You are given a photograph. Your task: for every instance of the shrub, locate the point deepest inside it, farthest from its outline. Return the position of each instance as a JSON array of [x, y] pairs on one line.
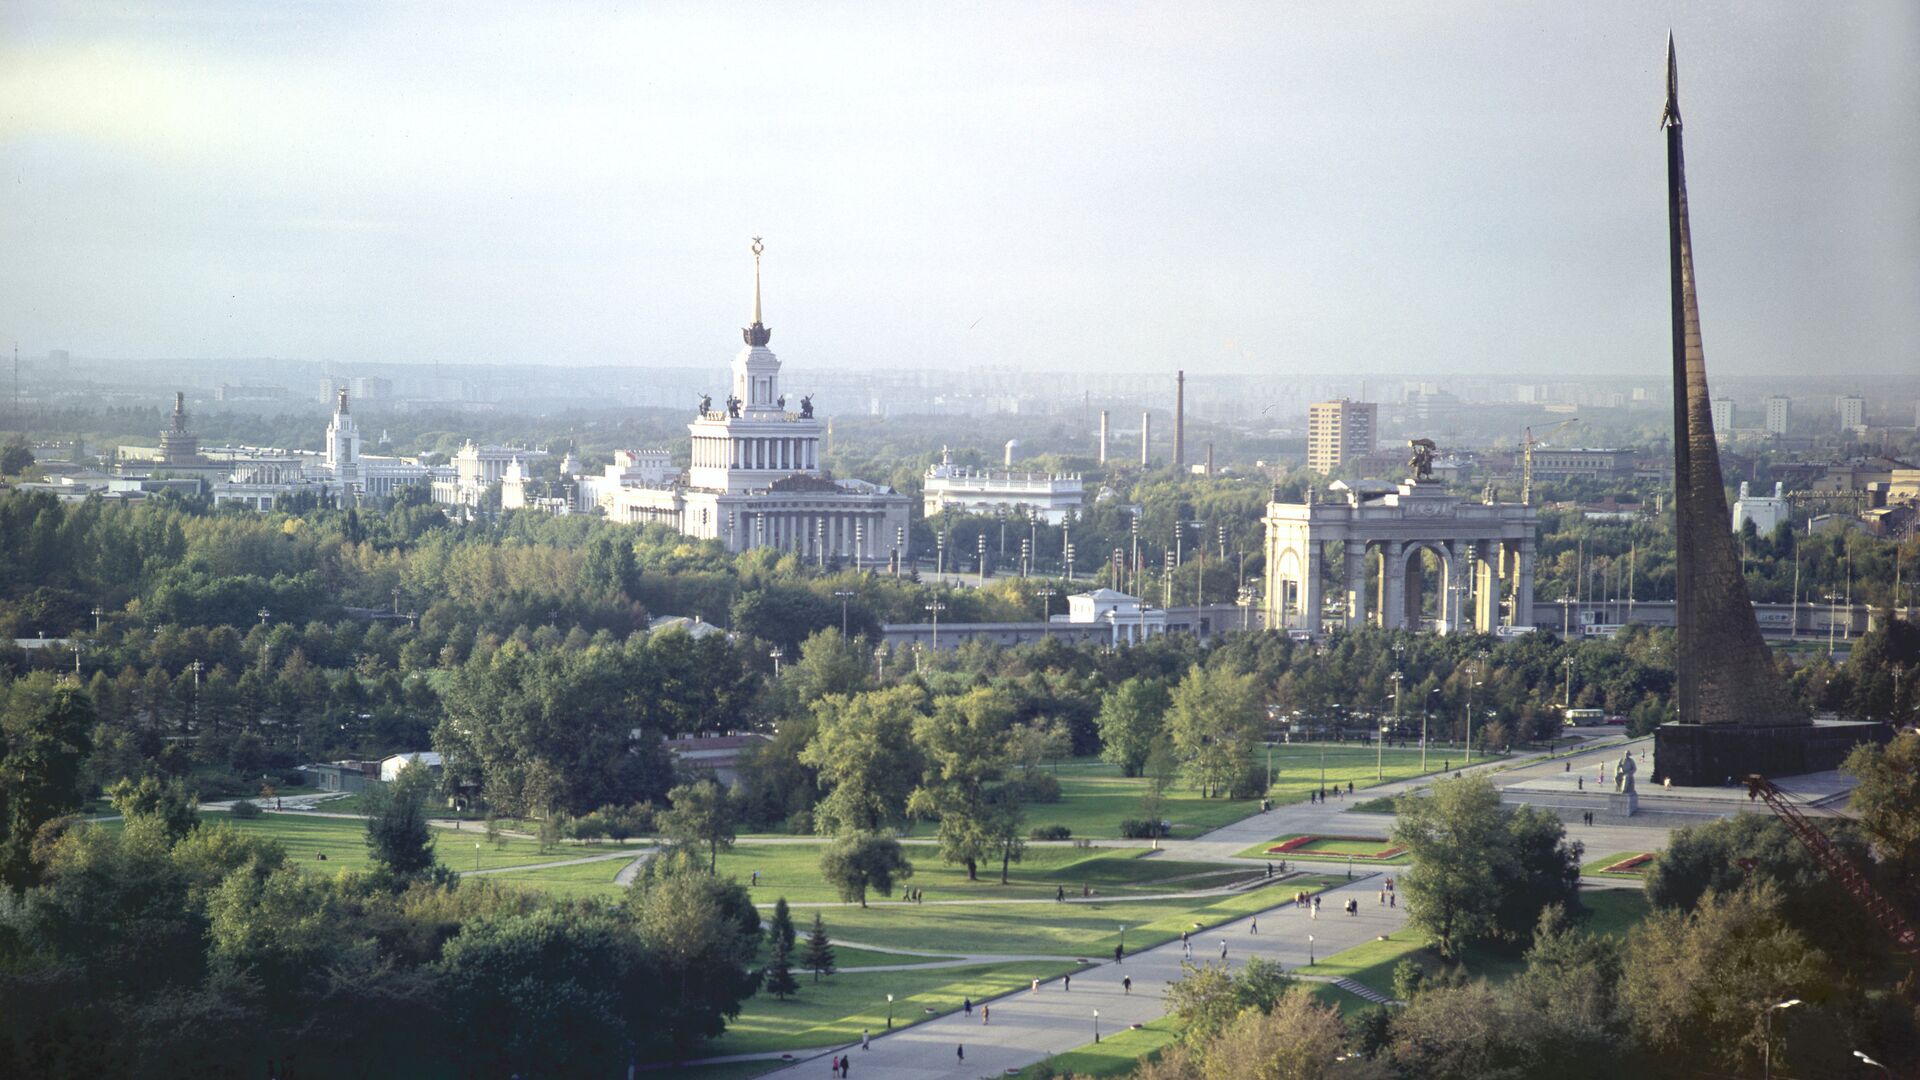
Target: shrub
[[245, 811], [1250, 783], [799, 823], [1038, 787], [1050, 832], [1141, 829]]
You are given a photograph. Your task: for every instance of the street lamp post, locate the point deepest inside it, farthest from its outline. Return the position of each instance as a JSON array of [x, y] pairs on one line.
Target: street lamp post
[[1380, 749], [476, 856], [936, 607], [1046, 596], [1766, 1048], [889, 1012], [777, 653], [96, 621], [843, 594], [1309, 950], [1096, 1025]]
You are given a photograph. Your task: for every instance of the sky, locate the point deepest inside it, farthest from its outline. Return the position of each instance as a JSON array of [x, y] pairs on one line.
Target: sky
[[1471, 188]]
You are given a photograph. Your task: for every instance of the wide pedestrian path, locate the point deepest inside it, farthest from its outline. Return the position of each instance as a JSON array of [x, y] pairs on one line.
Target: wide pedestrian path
[[1027, 1027]]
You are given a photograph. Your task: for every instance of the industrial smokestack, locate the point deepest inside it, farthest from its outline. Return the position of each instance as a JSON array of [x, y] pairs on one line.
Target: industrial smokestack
[[1146, 436], [1103, 436], [1209, 458], [1179, 419]]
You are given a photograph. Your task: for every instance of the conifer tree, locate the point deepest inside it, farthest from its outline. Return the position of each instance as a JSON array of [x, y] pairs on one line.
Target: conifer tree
[[819, 949], [779, 978]]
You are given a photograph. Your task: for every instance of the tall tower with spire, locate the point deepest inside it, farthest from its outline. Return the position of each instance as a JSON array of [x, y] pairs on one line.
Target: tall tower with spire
[[343, 442], [178, 446]]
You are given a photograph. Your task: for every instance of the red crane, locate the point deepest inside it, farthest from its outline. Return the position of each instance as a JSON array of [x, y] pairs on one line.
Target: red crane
[[1877, 907]]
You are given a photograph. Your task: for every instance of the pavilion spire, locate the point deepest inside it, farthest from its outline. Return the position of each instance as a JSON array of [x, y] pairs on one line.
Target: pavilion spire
[[757, 334]]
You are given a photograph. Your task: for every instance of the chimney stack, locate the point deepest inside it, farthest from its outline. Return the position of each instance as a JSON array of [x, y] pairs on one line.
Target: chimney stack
[[1146, 436], [1103, 436], [1179, 418], [1209, 459]]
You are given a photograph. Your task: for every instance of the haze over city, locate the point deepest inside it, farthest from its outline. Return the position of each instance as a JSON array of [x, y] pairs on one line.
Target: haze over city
[[1463, 189]]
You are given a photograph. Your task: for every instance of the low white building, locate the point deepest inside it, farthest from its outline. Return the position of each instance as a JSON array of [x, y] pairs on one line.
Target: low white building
[[339, 474], [476, 468], [1130, 620], [1765, 513], [391, 765], [1050, 497]]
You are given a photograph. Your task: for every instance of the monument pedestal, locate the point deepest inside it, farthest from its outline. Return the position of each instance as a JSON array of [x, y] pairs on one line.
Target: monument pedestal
[[1706, 755], [1623, 803]]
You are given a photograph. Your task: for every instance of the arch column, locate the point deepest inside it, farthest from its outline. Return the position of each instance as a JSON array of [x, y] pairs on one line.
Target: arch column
[[1393, 580], [1486, 586], [1356, 557]]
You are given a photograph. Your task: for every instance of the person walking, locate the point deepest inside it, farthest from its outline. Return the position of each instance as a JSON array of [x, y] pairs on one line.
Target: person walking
[[1126, 986], [1119, 952], [1393, 899], [967, 1006], [833, 1069], [1066, 983], [986, 1015], [1059, 894], [846, 1066], [1036, 987], [961, 1051], [1254, 927], [866, 1039], [1223, 948]]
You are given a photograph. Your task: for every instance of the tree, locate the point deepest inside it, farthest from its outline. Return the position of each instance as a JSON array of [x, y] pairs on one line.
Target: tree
[[1160, 769], [1455, 837], [868, 761], [780, 927], [1295, 1038], [702, 815], [965, 746], [1037, 742], [547, 986], [1003, 834], [1215, 720], [170, 802], [16, 457], [43, 743], [1207, 997], [1886, 802], [779, 975], [859, 861], [1697, 985], [819, 954], [701, 932], [398, 836], [1132, 715]]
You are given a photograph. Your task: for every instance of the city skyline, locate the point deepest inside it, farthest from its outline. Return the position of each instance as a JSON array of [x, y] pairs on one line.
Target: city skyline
[[1240, 191]]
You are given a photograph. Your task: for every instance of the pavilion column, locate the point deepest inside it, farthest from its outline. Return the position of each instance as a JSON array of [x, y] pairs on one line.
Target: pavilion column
[[1356, 583], [1523, 591], [1486, 585], [1453, 600], [1393, 580], [1310, 588]]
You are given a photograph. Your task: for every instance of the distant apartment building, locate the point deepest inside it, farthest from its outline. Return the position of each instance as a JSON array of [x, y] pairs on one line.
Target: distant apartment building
[[1722, 414], [230, 392], [1339, 432], [1853, 413], [1778, 409]]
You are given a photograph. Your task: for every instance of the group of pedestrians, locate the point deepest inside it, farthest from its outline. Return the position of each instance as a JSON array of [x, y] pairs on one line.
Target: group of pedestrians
[[914, 896]]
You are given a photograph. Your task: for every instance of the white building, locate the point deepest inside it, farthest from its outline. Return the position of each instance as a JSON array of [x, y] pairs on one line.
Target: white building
[[756, 480], [1853, 414], [390, 766], [1051, 497], [1777, 414], [1722, 415], [477, 468], [1131, 621], [1765, 513], [339, 474], [630, 468]]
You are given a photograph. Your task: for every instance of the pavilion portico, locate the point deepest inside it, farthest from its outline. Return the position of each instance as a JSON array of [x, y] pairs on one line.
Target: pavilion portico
[[1483, 553]]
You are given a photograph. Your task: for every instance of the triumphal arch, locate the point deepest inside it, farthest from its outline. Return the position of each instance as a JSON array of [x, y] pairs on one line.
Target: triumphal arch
[[1399, 555]]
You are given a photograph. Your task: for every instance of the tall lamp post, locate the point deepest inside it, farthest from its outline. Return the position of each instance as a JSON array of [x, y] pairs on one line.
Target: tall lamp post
[[777, 653], [1766, 1048], [1046, 596], [936, 607], [1309, 950], [1096, 1025], [844, 595], [1379, 749], [889, 1012]]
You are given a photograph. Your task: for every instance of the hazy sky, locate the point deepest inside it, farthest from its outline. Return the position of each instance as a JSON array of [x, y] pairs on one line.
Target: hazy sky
[[1277, 187]]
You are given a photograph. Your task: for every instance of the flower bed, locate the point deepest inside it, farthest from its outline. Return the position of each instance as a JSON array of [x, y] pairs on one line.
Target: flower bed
[[1337, 845], [1636, 864]]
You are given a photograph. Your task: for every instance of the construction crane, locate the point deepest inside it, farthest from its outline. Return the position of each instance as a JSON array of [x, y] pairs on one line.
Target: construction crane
[[1526, 460], [1878, 908]]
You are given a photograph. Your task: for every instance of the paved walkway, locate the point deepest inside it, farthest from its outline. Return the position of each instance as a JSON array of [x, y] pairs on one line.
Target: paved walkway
[[608, 857], [1028, 1027]]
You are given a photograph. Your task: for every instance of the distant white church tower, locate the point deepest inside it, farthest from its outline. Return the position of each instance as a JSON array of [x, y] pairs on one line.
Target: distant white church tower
[[343, 443]]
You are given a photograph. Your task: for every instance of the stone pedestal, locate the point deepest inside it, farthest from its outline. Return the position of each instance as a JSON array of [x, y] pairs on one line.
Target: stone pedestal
[[1704, 755], [1623, 804]]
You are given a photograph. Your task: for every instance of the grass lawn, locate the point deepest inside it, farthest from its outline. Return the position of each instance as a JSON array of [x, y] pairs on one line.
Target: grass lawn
[[1325, 848], [344, 842], [793, 871], [1348, 1004], [1598, 867], [1612, 912], [1114, 1055], [836, 1009], [1381, 805], [1081, 929], [1095, 798]]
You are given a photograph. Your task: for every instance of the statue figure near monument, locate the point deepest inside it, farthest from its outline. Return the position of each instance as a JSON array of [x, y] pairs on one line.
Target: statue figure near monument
[[1421, 463], [706, 403], [1623, 773], [806, 407]]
